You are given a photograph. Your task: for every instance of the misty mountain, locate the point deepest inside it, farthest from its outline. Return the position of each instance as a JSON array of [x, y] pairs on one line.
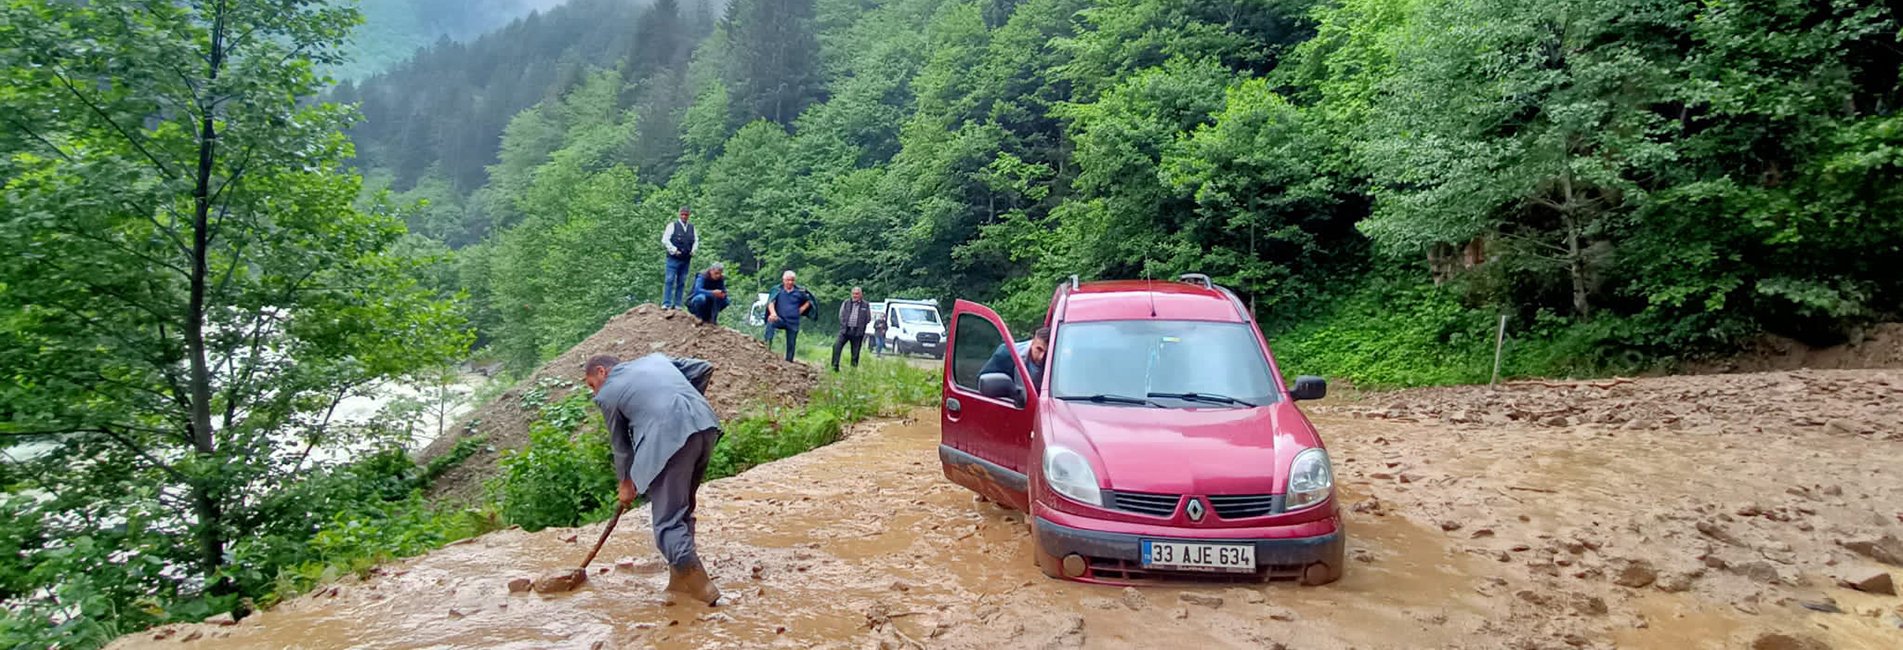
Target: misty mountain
[[393, 30]]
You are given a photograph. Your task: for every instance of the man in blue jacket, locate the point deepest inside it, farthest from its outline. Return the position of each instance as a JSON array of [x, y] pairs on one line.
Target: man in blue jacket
[[709, 295], [1033, 352], [783, 310]]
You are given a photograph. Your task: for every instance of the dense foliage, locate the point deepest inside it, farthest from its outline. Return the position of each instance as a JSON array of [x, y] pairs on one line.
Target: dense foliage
[[1629, 181], [191, 291]]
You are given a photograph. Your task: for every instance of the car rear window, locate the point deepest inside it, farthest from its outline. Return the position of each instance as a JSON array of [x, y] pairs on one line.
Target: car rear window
[[1139, 357]]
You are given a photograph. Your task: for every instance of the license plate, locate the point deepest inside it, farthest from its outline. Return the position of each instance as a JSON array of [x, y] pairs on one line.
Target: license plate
[[1198, 557], [928, 345]]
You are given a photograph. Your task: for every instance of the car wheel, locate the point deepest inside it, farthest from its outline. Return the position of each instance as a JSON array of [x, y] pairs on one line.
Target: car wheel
[[1049, 564], [1330, 568]]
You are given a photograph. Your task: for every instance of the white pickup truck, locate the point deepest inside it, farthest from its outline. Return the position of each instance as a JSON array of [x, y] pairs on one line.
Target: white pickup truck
[[914, 327]]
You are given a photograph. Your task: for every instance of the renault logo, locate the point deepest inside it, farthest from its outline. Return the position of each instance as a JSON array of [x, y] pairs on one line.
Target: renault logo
[[1195, 509]]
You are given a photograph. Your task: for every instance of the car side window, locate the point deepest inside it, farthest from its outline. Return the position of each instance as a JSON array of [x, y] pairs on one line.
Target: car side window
[[976, 339]]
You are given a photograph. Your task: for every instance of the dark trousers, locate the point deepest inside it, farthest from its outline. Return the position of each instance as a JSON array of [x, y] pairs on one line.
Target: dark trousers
[[840, 342], [792, 334], [672, 497], [877, 344], [674, 281], [706, 307]]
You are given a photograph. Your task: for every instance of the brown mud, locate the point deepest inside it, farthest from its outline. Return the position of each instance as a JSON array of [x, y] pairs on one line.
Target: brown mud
[[745, 373], [1723, 533]]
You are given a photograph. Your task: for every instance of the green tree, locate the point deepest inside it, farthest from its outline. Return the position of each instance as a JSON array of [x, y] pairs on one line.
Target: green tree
[[193, 291]]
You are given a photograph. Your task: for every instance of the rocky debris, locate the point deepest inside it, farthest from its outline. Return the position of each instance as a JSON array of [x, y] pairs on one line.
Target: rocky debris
[[745, 372], [1672, 582], [1371, 506], [1211, 601], [1134, 599], [1782, 641], [560, 580], [191, 636], [570, 539], [520, 585], [164, 633], [1837, 401], [1590, 605], [1179, 613], [1874, 581], [1283, 614], [1886, 549], [1095, 602], [1070, 632], [1718, 532], [1449, 525], [1759, 571], [1635, 574], [221, 619]]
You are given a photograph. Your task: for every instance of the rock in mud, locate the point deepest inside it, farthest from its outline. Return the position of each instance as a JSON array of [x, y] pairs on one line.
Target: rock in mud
[[191, 636], [520, 585], [222, 619], [1672, 582], [1590, 605], [1635, 574], [560, 581], [1211, 601], [1449, 525], [1283, 614], [1099, 603], [1886, 549], [164, 633], [1763, 572], [1871, 581], [1179, 613], [1781, 641], [1134, 599], [1070, 633], [1713, 530]]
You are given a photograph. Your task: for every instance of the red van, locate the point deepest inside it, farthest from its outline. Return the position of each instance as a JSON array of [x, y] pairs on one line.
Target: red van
[[1159, 441]]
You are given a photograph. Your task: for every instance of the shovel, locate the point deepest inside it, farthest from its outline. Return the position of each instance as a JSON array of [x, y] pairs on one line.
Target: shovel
[[561, 581]]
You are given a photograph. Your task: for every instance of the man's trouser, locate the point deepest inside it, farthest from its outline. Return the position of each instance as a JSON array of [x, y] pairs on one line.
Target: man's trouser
[[674, 282], [877, 345], [706, 307], [845, 337], [792, 334], [672, 497]]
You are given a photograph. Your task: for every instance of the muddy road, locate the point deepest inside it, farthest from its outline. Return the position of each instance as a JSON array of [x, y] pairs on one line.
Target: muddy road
[[1721, 527]]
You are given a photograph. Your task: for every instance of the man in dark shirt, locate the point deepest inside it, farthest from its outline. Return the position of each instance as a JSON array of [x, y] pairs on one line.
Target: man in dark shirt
[[783, 310], [709, 295], [854, 315], [1033, 352]]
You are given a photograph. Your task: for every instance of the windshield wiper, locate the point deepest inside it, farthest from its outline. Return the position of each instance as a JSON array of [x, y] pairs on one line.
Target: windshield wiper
[[1101, 398], [1204, 397]]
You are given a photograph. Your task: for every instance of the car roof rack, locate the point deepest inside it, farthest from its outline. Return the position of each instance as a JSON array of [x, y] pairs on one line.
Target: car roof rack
[[1196, 278]]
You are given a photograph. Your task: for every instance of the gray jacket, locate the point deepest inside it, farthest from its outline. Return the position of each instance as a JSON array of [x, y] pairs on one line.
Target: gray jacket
[[652, 404]]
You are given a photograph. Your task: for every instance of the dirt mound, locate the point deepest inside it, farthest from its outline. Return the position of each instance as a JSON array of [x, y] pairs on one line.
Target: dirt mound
[[1844, 402], [745, 373], [1880, 346]]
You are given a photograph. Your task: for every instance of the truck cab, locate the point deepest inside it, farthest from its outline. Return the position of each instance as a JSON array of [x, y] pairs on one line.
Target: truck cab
[[914, 327]]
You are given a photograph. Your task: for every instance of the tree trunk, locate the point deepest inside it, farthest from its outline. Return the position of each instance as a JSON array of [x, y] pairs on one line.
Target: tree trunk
[[1575, 258], [211, 542]]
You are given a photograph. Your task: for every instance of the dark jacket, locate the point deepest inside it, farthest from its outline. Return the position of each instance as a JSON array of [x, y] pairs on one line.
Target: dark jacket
[[879, 326], [854, 316], [1001, 362], [703, 286]]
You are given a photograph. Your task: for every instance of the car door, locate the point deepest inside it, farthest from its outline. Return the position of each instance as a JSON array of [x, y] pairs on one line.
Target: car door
[[983, 439]]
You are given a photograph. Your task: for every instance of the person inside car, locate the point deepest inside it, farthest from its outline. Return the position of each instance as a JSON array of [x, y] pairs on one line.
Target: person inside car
[[1033, 352]]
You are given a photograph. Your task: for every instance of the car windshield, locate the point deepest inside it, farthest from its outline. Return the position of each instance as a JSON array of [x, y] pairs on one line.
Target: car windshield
[[918, 315], [1175, 364]]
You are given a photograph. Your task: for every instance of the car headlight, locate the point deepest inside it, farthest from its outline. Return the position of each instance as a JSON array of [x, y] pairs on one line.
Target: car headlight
[[1310, 479], [1069, 474]]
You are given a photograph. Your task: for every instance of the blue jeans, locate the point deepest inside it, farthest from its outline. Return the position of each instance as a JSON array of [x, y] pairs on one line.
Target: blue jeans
[[792, 334], [878, 344], [706, 307], [675, 282]]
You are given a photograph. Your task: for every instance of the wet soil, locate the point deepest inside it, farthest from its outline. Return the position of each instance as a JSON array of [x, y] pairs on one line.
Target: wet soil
[[746, 375], [1729, 532]]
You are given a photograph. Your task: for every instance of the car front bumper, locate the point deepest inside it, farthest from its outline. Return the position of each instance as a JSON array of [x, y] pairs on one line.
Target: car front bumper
[[1117, 557]]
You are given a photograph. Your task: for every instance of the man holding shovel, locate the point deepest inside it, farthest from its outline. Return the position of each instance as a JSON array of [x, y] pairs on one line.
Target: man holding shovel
[[662, 431]]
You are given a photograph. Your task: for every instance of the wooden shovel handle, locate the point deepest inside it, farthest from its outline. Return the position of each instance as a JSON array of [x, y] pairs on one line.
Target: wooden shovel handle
[[619, 510]]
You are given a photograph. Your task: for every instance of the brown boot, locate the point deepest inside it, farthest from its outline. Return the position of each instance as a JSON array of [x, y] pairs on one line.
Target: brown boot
[[697, 585]]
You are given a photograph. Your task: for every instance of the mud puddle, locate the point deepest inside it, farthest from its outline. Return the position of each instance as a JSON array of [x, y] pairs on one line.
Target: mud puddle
[[1514, 537]]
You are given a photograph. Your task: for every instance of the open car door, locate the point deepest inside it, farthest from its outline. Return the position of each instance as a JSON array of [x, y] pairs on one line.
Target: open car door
[[985, 419]]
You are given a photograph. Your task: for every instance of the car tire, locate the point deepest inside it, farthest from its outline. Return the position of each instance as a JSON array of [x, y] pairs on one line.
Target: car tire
[[1333, 564], [1049, 564]]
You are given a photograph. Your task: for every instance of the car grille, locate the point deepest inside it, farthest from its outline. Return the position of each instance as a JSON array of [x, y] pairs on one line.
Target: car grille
[[1144, 503], [927, 337], [1243, 506], [1125, 571]]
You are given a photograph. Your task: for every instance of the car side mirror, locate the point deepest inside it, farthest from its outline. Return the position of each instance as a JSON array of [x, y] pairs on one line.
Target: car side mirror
[[1309, 387], [997, 384]]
